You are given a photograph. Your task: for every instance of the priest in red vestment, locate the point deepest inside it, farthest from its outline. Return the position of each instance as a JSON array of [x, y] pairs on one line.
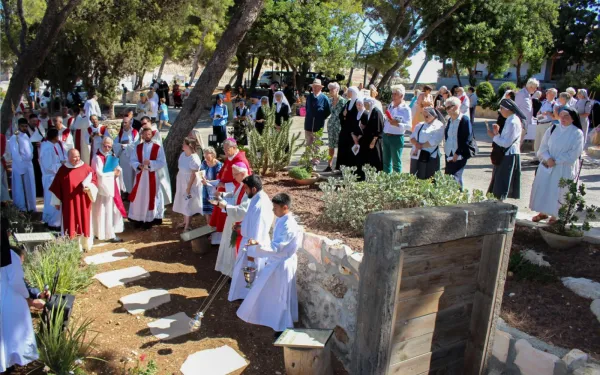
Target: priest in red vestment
[[73, 191], [226, 184]]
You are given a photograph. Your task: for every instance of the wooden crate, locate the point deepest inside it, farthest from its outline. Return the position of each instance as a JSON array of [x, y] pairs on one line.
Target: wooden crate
[[431, 287]]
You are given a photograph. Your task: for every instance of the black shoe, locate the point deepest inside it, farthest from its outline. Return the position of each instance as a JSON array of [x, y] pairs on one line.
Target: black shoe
[[328, 169], [115, 240]]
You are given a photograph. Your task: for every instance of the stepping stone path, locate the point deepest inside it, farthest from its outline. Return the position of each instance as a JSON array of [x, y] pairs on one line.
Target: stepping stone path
[[100, 244], [108, 257], [219, 361], [138, 303], [121, 277], [171, 327]]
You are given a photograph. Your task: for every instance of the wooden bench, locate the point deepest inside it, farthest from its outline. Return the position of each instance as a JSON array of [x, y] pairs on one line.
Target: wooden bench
[[306, 351]]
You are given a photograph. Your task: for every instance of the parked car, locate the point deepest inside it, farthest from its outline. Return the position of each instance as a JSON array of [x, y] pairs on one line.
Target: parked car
[[274, 76]]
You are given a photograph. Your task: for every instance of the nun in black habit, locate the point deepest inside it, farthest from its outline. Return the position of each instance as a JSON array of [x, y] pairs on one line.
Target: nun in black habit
[[370, 143], [349, 123]]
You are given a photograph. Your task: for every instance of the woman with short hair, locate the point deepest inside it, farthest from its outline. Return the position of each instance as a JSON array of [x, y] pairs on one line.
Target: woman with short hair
[[426, 139], [336, 103], [456, 136], [188, 196], [559, 154]]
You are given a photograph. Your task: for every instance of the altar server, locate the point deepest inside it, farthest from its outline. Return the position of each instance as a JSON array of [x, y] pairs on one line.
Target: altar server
[[23, 178], [124, 146], [273, 300], [52, 157], [255, 226]]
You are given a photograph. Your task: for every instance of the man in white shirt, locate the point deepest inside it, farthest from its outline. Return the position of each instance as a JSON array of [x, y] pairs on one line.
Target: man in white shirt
[[153, 99], [398, 120], [465, 103], [473, 103], [92, 107], [523, 101]]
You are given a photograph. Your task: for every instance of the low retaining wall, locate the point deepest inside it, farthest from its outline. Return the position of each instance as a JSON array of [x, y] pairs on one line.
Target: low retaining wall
[[327, 281]]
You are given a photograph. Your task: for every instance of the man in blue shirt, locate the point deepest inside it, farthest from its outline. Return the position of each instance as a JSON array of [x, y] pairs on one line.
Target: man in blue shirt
[[317, 110], [219, 114]]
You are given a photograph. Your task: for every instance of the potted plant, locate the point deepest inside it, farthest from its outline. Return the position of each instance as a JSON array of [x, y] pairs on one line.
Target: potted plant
[[304, 173], [565, 233]]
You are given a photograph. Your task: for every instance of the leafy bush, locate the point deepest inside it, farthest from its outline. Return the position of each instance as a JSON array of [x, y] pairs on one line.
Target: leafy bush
[[62, 351], [313, 153], [348, 202], [273, 150], [586, 78], [525, 270], [385, 95], [485, 94], [64, 254], [18, 221], [299, 173], [573, 203], [504, 88], [595, 87]]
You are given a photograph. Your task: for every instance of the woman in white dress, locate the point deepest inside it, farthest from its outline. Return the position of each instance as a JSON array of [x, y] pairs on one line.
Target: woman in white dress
[[188, 197], [559, 155]]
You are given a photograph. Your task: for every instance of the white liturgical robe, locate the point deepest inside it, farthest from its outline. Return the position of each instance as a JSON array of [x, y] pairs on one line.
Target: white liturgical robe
[[23, 179], [107, 218], [256, 226], [564, 145], [51, 156], [123, 148], [65, 136], [235, 213], [81, 131], [141, 208], [273, 300], [163, 174]]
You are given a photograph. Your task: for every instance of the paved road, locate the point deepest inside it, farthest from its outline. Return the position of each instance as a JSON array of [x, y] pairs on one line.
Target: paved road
[[478, 171]]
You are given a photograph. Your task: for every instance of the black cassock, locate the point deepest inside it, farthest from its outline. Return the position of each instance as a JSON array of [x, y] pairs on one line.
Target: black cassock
[[348, 125], [372, 128]]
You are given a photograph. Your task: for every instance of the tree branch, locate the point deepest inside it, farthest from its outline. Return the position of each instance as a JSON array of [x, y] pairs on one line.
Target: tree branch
[[23, 34], [9, 38]]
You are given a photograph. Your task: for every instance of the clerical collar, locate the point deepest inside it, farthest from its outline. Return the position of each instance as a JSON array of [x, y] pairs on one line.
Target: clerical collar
[[230, 158], [69, 165]]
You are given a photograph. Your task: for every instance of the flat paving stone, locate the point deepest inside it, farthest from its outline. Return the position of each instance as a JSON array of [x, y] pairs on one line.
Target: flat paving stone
[[100, 244], [171, 327], [123, 276], [219, 361], [137, 303], [108, 257]]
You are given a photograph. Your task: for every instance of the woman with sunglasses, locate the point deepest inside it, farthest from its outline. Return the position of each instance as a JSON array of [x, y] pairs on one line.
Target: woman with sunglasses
[[456, 136]]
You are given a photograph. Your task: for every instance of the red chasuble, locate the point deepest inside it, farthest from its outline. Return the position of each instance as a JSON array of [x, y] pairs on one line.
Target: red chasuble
[[76, 205], [117, 197], [152, 175], [225, 175]]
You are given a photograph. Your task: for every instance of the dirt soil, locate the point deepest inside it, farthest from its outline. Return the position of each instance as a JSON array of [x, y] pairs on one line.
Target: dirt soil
[[552, 312]]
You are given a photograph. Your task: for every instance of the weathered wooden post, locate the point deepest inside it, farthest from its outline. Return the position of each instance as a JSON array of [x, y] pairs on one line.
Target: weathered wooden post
[[431, 284], [306, 351]]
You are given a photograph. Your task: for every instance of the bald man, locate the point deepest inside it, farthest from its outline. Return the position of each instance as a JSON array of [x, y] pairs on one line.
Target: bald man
[[73, 191]]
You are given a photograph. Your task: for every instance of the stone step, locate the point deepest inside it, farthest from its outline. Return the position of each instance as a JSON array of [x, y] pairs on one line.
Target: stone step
[[170, 327], [138, 303], [108, 256], [101, 244], [219, 361], [123, 276]]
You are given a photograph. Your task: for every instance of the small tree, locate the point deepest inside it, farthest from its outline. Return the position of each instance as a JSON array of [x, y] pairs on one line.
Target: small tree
[[574, 202], [272, 150], [485, 94]]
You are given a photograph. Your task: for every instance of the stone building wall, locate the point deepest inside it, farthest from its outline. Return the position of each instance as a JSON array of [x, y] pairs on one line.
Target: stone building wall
[[327, 281]]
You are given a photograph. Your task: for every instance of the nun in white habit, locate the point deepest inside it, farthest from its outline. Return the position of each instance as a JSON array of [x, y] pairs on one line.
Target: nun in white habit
[[559, 154]]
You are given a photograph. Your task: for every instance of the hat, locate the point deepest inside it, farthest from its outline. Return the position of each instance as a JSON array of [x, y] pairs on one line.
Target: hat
[[239, 167], [317, 82]]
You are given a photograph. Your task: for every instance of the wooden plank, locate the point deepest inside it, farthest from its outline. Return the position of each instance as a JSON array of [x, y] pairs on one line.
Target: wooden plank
[[490, 259], [406, 329], [198, 232], [403, 350], [304, 338], [445, 357], [419, 306], [33, 237], [454, 275], [451, 326], [307, 361], [413, 366], [426, 259], [453, 295]]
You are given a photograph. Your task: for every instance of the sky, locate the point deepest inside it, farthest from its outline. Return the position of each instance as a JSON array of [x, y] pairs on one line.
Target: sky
[[429, 74]]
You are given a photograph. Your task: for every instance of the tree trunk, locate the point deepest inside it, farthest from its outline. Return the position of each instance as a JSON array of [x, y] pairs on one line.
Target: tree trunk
[[197, 56], [139, 79], [32, 56], [242, 57], [518, 70], [457, 72], [421, 69], [388, 75], [374, 77], [444, 67], [201, 96], [162, 64], [349, 83], [256, 74], [472, 79], [304, 67]]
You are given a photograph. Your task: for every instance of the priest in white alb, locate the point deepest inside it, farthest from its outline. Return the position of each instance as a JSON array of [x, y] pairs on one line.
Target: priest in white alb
[[52, 156], [124, 146], [23, 177], [108, 209], [64, 133], [236, 211], [273, 299], [147, 203], [73, 191], [81, 132], [98, 133], [255, 226]]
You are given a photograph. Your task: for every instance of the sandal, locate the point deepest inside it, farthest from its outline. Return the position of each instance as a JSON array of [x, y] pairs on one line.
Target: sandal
[[552, 220], [537, 218]]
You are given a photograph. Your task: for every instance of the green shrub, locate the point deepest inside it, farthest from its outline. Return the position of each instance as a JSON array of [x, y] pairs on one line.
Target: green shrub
[[348, 202], [269, 152], [299, 173], [64, 254], [566, 225], [595, 86], [504, 88], [313, 153], [485, 94], [523, 269], [18, 221], [385, 95], [62, 351]]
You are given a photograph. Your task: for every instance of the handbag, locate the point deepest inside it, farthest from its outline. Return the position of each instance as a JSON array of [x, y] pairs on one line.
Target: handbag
[[424, 156], [498, 152]]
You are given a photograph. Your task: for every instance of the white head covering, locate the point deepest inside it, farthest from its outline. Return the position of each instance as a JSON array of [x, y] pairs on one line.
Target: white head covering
[[355, 95], [360, 113], [261, 100], [371, 101], [283, 100]]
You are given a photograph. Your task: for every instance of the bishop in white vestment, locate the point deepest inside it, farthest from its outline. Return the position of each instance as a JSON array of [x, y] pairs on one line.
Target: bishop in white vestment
[[124, 146], [273, 299], [23, 178], [52, 156], [255, 226], [236, 211], [108, 210], [146, 197]]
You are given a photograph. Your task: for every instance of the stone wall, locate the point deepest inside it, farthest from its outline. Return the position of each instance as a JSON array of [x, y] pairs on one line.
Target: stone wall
[[327, 281]]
